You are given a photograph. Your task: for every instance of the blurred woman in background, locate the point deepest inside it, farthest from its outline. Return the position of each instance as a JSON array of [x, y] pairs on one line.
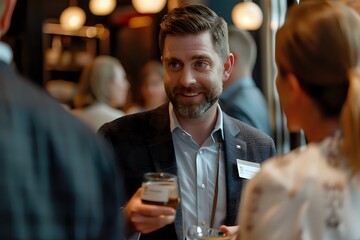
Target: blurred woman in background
[[152, 88], [102, 92]]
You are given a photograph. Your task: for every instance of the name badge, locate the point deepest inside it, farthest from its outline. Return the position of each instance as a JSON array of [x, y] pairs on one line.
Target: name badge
[[247, 169]]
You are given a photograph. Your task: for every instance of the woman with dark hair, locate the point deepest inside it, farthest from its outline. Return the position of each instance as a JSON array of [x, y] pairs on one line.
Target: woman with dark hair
[[152, 88]]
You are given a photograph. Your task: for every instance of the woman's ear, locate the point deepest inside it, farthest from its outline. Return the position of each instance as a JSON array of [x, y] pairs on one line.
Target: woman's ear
[[228, 66], [294, 84]]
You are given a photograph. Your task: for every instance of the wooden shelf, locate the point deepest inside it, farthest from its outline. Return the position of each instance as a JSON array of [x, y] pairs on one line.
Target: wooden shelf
[[67, 52]]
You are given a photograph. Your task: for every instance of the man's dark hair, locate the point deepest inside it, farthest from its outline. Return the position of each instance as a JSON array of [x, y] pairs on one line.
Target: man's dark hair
[[195, 19]]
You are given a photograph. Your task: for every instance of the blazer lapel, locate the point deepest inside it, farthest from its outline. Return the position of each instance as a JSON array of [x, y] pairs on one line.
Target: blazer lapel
[[235, 148], [159, 141]]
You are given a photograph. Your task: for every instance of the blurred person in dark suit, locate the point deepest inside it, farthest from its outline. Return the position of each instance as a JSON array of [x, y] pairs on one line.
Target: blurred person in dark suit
[[190, 136], [57, 178], [241, 98]]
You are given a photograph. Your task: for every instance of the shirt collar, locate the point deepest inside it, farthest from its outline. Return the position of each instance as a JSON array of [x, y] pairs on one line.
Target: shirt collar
[[174, 123], [5, 53]]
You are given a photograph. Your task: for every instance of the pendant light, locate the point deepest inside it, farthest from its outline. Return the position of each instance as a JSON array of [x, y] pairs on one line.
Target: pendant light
[[73, 17], [148, 6], [247, 15], [102, 7]]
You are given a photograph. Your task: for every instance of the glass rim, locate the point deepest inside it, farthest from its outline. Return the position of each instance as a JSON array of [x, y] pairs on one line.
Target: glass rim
[[160, 175]]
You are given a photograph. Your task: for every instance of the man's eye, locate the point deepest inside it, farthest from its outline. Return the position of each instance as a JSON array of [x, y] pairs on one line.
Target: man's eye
[[201, 64], [173, 65]]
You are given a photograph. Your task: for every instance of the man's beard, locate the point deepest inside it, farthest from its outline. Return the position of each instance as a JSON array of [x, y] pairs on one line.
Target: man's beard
[[193, 109]]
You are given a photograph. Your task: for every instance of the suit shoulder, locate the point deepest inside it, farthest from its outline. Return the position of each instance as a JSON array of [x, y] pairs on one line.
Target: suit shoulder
[[136, 123]]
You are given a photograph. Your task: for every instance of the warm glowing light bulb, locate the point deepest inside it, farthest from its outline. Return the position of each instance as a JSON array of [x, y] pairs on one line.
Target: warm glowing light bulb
[[148, 6], [247, 16], [72, 18], [102, 7]]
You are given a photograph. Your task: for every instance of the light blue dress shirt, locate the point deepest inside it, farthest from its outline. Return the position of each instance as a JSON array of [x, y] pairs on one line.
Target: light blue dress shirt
[[5, 53], [197, 169]]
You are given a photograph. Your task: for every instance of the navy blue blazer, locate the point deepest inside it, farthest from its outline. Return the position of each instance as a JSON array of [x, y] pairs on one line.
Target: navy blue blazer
[[142, 143]]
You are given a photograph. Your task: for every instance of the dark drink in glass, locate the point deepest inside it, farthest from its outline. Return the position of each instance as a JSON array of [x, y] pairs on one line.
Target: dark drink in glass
[[160, 189]]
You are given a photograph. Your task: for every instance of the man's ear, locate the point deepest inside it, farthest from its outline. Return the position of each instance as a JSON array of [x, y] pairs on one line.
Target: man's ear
[[228, 66]]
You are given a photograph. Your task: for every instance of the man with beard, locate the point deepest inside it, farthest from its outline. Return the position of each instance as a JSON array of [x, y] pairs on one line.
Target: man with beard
[[189, 136]]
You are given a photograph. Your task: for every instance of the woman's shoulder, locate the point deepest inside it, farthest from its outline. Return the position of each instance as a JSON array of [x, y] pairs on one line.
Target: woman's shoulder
[[308, 167], [305, 187]]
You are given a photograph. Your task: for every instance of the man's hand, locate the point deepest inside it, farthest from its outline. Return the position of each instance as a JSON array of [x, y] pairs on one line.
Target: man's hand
[[230, 230], [146, 218]]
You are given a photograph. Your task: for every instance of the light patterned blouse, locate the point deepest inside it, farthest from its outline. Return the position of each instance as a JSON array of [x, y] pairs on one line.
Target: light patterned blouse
[[306, 194]]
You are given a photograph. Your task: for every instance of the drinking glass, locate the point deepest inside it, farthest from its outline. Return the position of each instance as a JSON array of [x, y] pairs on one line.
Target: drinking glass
[[160, 189], [205, 233]]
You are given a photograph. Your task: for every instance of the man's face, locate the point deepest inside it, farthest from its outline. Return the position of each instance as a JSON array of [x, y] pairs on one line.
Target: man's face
[[194, 73]]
